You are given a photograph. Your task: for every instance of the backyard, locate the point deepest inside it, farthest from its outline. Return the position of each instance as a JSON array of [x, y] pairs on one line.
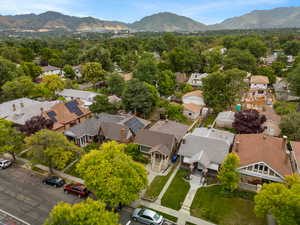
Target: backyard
[[222, 208], [177, 191]]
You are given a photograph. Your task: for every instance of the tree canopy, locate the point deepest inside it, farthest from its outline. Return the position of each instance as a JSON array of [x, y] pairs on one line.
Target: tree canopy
[[240, 59], [93, 72], [51, 148], [113, 176], [88, 212], [290, 126], [102, 104], [18, 88], [281, 200]]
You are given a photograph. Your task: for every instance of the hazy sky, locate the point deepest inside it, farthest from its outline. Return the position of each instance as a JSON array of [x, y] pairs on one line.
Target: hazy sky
[[206, 11]]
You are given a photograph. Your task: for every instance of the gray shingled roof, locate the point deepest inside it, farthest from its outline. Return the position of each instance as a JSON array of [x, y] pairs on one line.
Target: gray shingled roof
[[112, 131], [170, 127], [90, 127]]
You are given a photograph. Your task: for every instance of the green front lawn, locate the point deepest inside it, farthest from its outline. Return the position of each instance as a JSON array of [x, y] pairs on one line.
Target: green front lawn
[[157, 185], [237, 208], [284, 108], [176, 193]]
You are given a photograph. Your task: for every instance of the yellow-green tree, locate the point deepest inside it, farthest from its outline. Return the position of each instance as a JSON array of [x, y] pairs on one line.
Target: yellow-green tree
[[228, 175], [88, 213], [50, 85], [112, 175], [280, 200], [51, 148], [11, 140], [93, 72]]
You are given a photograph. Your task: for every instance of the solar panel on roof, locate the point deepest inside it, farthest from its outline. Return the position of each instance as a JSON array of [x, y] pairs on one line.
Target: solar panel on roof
[[52, 116], [134, 124], [73, 108]]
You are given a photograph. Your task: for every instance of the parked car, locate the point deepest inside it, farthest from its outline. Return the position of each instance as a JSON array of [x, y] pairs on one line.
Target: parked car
[[5, 163], [147, 216], [77, 189], [54, 181]]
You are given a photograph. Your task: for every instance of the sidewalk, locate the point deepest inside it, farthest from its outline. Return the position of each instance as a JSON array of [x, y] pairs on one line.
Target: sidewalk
[[182, 217], [158, 200]]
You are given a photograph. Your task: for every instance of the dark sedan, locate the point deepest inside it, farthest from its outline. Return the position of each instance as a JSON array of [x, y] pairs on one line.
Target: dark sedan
[[54, 181]]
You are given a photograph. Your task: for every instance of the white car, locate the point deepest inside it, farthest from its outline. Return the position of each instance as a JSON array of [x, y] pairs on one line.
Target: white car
[[147, 216], [4, 163]]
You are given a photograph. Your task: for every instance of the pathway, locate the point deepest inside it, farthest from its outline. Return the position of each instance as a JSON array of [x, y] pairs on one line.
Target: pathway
[[158, 200], [195, 183], [182, 217]]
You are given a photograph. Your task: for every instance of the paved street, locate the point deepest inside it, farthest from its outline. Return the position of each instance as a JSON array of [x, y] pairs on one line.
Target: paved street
[[23, 195], [125, 217]]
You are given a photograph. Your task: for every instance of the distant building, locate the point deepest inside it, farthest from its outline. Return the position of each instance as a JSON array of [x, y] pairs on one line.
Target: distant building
[[48, 70], [77, 70], [127, 76], [282, 91], [87, 97], [181, 78], [195, 79], [259, 86], [225, 119], [193, 103]]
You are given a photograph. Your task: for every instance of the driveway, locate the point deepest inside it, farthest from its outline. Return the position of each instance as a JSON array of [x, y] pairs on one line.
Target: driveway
[[23, 195]]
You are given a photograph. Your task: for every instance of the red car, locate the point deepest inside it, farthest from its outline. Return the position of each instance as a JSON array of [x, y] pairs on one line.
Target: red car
[[77, 189]]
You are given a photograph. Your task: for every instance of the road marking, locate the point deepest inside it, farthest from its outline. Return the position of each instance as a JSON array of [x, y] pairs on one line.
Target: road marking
[[14, 217], [129, 222]]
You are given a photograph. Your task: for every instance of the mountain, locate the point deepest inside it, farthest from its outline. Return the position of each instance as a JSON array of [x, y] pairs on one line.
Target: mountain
[[49, 21], [168, 22], [284, 17]]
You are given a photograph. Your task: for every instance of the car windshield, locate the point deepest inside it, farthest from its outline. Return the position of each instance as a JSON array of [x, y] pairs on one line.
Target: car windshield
[[156, 217]]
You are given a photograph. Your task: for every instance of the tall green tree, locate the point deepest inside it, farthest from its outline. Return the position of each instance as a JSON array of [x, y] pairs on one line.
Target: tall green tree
[[166, 82], [93, 72], [228, 175], [146, 69], [240, 59], [292, 47], [102, 104], [100, 55], [8, 71], [290, 126], [116, 84], [30, 69], [267, 71], [69, 72], [280, 200], [294, 80], [223, 90], [11, 141], [51, 148], [50, 85], [18, 88], [88, 212], [113, 176], [139, 97], [256, 47]]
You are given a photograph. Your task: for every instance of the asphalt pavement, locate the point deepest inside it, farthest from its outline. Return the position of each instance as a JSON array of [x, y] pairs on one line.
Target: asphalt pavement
[[24, 196]]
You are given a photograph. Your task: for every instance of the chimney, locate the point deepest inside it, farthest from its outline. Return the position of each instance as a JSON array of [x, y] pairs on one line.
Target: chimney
[[22, 105], [284, 145], [237, 145], [14, 107], [123, 135]]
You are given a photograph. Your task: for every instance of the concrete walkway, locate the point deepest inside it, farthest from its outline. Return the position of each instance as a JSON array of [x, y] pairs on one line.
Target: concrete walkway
[[195, 183], [158, 200], [182, 217]]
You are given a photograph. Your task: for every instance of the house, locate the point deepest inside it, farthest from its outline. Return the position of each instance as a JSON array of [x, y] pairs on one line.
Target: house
[[158, 146], [105, 126], [114, 99], [263, 158], [48, 70], [195, 79], [172, 128], [295, 156], [193, 103], [66, 115], [181, 78], [21, 110], [192, 111], [259, 86], [282, 91], [87, 97], [205, 149], [225, 119]]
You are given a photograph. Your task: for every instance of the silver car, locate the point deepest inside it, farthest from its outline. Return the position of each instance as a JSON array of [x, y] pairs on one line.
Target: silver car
[[147, 216], [4, 164]]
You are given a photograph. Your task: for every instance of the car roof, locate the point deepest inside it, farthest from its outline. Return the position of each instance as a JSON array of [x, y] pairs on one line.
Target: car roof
[[148, 212], [81, 186]]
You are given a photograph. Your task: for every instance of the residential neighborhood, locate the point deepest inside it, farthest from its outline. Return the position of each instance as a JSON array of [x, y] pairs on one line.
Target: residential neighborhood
[[108, 123]]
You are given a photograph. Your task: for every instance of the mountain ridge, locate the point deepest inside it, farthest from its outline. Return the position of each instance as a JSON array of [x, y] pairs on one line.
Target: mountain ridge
[[282, 17]]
